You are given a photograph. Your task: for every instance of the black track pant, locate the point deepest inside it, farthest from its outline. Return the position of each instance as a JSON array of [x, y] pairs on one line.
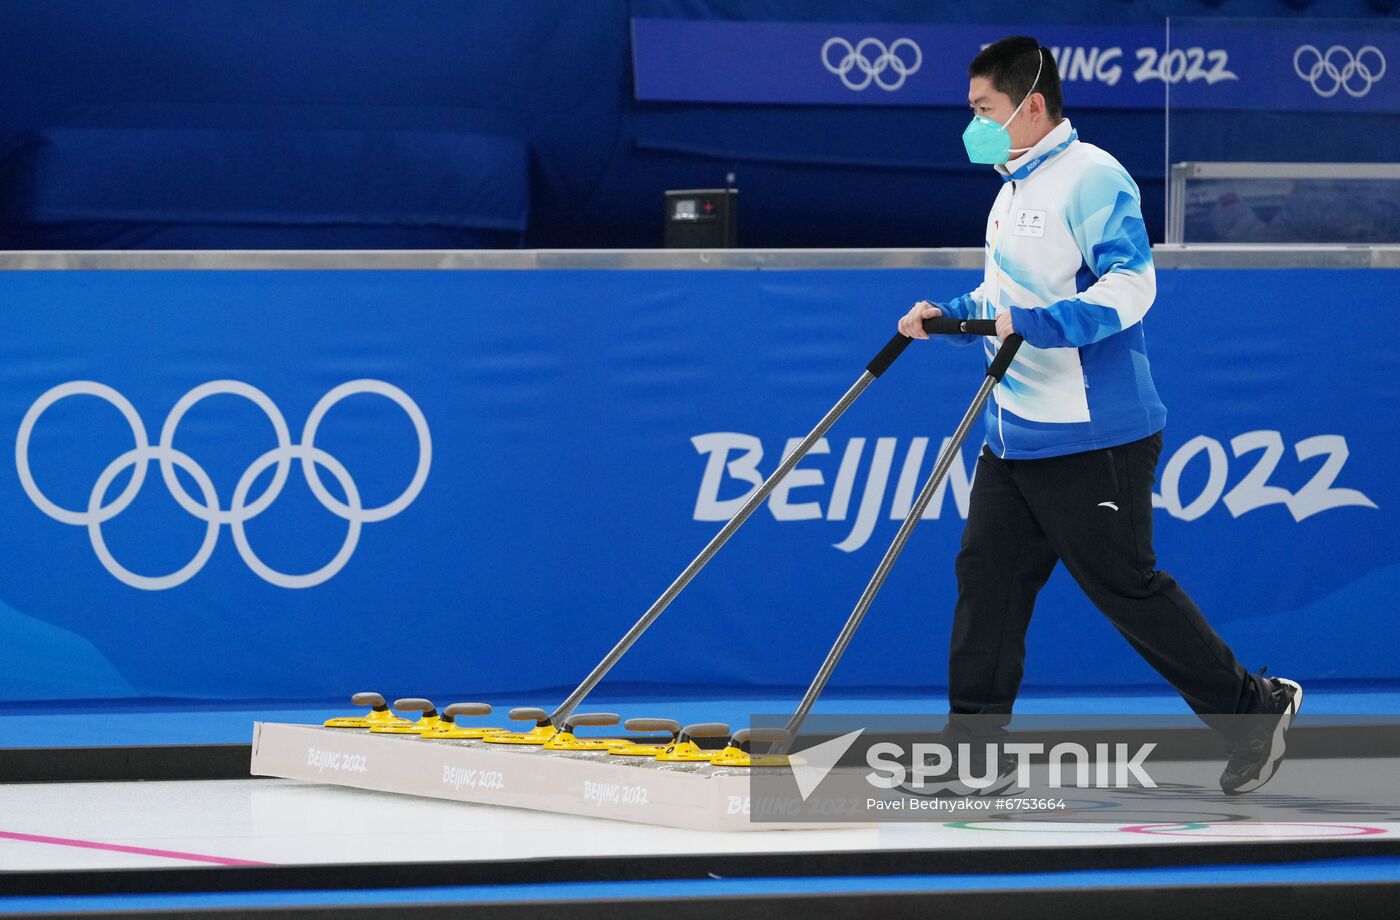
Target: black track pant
[[1093, 512]]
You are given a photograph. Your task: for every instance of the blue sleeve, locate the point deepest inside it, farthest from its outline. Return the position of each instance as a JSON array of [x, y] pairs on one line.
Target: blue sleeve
[[1106, 220]]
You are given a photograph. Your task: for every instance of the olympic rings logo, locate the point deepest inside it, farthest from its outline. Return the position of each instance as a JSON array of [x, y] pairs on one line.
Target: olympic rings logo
[[1322, 66], [208, 509], [872, 69]]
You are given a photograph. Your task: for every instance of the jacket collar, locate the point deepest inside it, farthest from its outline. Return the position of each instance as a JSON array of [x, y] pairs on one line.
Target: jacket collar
[[1060, 137]]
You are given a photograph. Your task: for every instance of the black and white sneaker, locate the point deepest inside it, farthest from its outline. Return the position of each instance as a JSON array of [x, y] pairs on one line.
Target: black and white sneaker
[[1254, 757]]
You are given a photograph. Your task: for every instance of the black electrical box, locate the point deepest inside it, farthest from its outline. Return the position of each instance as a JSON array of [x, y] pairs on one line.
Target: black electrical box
[[701, 218]]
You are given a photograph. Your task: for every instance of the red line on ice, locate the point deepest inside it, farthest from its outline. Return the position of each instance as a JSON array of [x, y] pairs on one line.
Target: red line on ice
[[120, 848]]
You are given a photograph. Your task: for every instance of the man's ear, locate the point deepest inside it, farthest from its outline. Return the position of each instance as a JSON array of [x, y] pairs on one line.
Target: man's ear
[[1036, 104]]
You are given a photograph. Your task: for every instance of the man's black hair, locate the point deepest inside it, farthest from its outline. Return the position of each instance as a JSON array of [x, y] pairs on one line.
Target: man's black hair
[[1011, 65]]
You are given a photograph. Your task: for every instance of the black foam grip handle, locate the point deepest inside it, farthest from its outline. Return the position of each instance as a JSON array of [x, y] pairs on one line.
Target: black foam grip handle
[[893, 349], [937, 325], [1005, 353], [951, 325]]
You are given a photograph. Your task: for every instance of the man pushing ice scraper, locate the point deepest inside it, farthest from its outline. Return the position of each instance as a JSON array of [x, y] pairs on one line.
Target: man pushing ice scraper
[[1074, 431]]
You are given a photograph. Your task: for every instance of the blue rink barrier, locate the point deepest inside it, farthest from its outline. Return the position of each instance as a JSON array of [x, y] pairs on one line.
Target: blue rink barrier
[[298, 483]]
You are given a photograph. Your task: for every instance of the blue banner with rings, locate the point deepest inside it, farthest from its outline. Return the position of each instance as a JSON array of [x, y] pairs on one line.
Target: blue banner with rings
[[299, 484], [1303, 65]]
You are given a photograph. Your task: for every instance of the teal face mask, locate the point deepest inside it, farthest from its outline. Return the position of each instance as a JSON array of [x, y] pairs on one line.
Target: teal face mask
[[987, 141]]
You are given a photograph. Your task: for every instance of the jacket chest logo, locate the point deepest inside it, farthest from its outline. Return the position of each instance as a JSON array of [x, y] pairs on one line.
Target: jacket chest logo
[[1029, 223]]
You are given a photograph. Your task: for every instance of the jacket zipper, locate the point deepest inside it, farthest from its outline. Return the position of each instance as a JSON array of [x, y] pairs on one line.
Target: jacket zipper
[[1011, 207]]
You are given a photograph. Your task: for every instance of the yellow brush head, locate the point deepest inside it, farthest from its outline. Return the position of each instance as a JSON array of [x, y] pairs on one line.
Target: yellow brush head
[[404, 727], [638, 750], [446, 732], [537, 735], [348, 722], [685, 752], [734, 757], [368, 720], [565, 741]]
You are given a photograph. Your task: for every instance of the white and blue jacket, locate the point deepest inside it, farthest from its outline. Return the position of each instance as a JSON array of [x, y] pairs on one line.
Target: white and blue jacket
[[1067, 254]]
